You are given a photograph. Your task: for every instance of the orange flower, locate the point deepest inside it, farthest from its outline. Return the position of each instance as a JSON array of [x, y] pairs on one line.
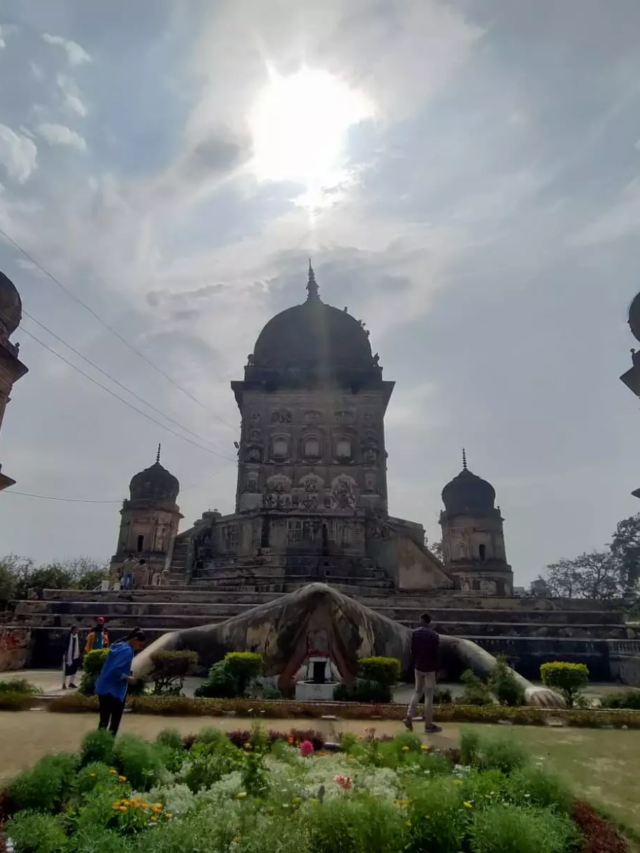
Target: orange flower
[[153, 819]]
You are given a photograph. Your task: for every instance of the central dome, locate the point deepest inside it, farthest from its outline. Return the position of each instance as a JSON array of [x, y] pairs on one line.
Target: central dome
[[468, 494], [313, 334], [10, 305], [154, 484]]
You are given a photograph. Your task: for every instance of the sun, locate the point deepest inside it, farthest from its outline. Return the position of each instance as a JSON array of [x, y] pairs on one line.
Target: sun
[[299, 126]]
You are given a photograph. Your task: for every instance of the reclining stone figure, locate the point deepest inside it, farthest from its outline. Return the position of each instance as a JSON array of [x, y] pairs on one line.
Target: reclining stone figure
[[334, 624]]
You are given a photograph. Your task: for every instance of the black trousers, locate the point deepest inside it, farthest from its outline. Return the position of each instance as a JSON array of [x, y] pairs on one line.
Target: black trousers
[[111, 710]]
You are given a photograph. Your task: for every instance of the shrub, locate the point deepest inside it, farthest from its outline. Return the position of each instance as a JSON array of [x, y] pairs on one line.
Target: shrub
[[537, 786], [221, 683], [437, 816], [170, 670], [569, 679], [91, 668], [379, 669], [245, 667], [44, 786], [356, 826], [507, 828], [92, 775], [363, 691], [32, 832], [442, 696], [628, 699], [19, 685], [170, 738], [15, 701], [504, 685], [97, 746], [272, 694], [492, 752], [137, 759], [476, 691]]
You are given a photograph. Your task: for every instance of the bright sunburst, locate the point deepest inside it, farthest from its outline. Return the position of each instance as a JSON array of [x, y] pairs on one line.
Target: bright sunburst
[[299, 127]]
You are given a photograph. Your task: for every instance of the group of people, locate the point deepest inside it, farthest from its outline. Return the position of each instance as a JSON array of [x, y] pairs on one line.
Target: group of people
[[115, 676]]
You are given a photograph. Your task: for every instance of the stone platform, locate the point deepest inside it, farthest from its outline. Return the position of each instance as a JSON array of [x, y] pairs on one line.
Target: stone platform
[[528, 631]]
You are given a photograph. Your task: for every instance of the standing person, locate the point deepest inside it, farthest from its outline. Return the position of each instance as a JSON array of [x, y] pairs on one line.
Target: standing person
[[115, 678], [71, 657], [98, 638], [425, 646], [127, 572]]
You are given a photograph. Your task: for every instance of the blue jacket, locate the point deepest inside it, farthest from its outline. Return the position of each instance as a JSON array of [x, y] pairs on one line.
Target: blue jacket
[[113, 677]]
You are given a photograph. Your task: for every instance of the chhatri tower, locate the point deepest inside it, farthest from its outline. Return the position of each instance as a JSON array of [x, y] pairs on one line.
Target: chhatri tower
[[311, 496]]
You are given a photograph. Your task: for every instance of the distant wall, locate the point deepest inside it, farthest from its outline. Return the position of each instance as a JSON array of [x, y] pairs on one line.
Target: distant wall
[[15, 648]]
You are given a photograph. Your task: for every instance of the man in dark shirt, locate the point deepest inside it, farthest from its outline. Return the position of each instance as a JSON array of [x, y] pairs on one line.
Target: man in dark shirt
[[425, 646]]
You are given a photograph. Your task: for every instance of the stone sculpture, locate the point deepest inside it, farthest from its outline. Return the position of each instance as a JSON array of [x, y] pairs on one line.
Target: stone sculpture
[[338, 626]]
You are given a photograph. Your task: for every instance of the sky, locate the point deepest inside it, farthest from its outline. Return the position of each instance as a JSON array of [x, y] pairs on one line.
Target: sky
[[464, 175]]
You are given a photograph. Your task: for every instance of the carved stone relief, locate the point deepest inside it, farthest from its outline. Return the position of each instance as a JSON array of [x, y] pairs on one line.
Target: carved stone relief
[[345, 417], [343, 493], [281, 416], [312, 417]]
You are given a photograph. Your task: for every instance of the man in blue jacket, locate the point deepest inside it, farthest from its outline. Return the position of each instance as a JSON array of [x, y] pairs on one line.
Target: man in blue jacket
[[115, 678]]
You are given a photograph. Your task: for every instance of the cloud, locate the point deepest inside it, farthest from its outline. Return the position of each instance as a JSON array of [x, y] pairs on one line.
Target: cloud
[[620, 220], [76, 54], [71, 95], [18, 154], [60, 134]]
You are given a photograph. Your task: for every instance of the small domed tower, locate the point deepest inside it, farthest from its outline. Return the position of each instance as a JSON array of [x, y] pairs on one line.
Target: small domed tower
[[150, 519], [11, 368], [472, 535]]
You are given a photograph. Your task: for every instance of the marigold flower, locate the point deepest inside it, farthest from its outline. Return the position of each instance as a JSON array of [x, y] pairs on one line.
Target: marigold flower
[[168, 815], [405, 749], [113, 771], [92, 774], [153, 818], [122, 778], [297, 800], [425, 748]]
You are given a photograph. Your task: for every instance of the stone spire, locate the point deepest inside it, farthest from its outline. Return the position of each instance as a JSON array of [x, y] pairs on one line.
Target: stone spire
[[158, 455], [313, 290], [464, 459]]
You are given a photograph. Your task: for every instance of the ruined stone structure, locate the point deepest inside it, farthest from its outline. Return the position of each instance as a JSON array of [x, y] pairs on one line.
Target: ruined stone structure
[[472, 535], [150, 519], [632, 377], [311, 497], [11, 368]]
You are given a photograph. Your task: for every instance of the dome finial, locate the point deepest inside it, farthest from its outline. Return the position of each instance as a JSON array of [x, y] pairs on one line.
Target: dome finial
[[158, 455], [312, 285], [464, 459]]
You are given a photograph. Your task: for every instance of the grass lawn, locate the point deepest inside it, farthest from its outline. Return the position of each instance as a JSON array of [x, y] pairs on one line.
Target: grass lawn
[[602, 765]]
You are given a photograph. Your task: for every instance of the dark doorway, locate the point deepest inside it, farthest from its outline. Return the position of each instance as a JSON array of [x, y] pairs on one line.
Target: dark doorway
[[482, 550], [140, 547]]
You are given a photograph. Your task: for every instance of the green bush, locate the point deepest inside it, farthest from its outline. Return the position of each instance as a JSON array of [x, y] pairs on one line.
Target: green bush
[[492, 752], [364, 825], [363, 691], [382, 670], [32, 832], [221, 683], [510, 829], [45, 785], [505, 686], [245, 666], [97, 746], [569, 679], [272, 694], [19, 685], [476, 691], [96, 839], [92, 775], [628, 699], [15, 701], [91, 668], [138, 760], [536, 786], [170, 670], [437, 816], [442, 696], [170, 738]]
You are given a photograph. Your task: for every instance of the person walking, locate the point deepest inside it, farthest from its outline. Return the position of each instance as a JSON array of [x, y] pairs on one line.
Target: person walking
[[425, 647], [98, 638], [71, 657], [115, 678]]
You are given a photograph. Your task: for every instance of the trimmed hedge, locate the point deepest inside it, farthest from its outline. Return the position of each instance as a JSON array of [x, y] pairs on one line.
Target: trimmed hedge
[[187, 707], [382, 670], [570, 679]]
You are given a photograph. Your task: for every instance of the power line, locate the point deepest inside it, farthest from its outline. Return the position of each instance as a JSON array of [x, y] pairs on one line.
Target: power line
[[83, 501], [117, 382], [110, 328], [122, 400]]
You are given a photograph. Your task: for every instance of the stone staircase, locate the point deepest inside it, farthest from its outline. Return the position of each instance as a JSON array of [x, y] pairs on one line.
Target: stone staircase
[[528, 631]]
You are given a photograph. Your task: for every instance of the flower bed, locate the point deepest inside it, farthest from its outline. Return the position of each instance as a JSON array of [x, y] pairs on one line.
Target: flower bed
[[280, 793], [181, 706]]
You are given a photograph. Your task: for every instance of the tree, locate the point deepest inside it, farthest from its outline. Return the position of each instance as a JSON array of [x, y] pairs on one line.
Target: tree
[[595, 576], [18, 576], [625, 549]]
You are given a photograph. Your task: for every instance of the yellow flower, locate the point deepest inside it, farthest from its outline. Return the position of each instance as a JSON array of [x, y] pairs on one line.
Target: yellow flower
[[408, 823], [297, 800], [425, 748], [153, 819], [155, 805], [92, 774], [123, 808], [468, 805], [157, 809], [241, 795], [113, 771], [168, 815], [458, 782], [405, 749], [236, 838], [116, 806], [122, 778]]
